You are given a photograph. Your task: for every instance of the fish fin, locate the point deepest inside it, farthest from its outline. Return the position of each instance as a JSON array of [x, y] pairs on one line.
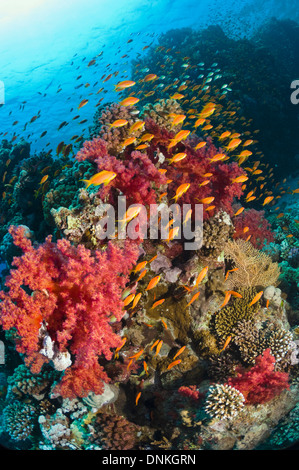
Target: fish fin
[[87, 183]]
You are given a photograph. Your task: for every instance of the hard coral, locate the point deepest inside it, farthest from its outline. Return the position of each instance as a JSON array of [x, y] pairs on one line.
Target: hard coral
[[224, 402], [261, 382], [74, 293], [226, 320]]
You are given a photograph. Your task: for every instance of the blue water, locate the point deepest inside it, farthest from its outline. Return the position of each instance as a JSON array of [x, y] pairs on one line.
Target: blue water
[[46, 45]]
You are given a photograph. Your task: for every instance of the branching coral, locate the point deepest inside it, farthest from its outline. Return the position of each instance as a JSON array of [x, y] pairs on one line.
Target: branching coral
[[255, 268], [20, 419], [116, 432], [224, 402], [75, 293]]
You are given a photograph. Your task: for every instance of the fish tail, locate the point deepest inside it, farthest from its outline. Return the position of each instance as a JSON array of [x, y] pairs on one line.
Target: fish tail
[[87, 183]]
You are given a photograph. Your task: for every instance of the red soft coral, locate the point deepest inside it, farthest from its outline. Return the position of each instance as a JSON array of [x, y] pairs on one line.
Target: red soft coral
[[190, 392], [75, 293], [261, 382], [259, 227], [137, 177]]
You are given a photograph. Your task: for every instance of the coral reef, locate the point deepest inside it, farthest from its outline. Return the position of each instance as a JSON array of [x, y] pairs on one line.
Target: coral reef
[[138, 343]]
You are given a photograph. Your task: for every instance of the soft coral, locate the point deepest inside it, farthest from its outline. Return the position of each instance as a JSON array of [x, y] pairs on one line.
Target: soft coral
[[261, 382], [75, 292]]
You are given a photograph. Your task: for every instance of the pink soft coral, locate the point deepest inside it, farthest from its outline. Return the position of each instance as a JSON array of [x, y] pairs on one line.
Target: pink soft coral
[[261, 382], [259, 227], [75, 293]]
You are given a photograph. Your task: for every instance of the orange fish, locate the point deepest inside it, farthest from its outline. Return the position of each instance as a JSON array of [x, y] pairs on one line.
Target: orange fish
[[178, 157], [140, 266], [226, 299], [195, 296], [153, 345], [136, 126], [122, 345], [153, 282], [207, 110], [240, 179], [224, 135], [256, 298], [182, 349], [103, 177], [145, 367], [150, 77], [174, 363], [146, 137], [119, 123], [177, 119], [236, 294], [199, 122], [159, 302], [200, 145], [128, 299], [181, 190], [137, 355], [164, 324], [218, 157], [130, 101], [83, 103], [44, 178], [177, 96], [206, 200], [141, 147], [226, 343], [201, 276], [137, 398], [130, 214], [124, 84], [128, 141], [233, 144], [172, 233], [181, 135], [239, 211], [136, 300], [267, 200], [142, 274], [159, 346]]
